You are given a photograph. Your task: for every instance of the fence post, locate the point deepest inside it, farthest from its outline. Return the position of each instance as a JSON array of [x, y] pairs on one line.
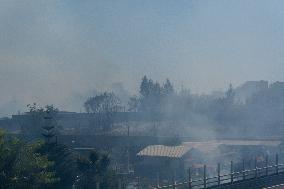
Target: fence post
[[244, 170], [219, 177], [255, 167], [232, 171], [119, 183], [276, 161], [138, 182], [158, 180], [204, 177], [189, 178], [174, 183], [266, 165]]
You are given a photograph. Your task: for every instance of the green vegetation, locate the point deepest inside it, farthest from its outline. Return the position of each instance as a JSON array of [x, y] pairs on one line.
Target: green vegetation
[[40, 165], [94, 172], [64, 164], [22, 167]]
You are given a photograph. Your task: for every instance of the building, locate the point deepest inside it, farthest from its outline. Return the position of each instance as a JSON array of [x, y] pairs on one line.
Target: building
[[167, 161], [250, 88], [173, 159]]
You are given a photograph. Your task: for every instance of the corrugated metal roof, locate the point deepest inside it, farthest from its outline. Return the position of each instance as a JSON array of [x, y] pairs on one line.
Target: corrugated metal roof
[[164, 151]]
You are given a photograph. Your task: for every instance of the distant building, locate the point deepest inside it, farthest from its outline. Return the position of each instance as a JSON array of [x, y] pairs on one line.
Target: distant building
[[250, 88], [72, 122], [277, 86]]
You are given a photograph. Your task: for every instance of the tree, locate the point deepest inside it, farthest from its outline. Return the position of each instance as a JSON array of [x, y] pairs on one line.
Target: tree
[[169, 99], [168, 88], [153, 98], [145, 87], [21, 167], [227, 111], [64, 163], [150, 96], [95, 172], [35, 118], [230, 95], [105, 105]]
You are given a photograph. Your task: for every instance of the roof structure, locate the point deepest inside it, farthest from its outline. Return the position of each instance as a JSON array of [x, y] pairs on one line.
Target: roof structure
[[204, 147], [211, 146], [164, 151]]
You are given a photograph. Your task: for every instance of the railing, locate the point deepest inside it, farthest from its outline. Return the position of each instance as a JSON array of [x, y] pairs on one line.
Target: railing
[[230, 178]]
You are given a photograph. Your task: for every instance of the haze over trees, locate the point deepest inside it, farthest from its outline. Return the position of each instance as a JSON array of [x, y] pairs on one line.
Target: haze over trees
[[35, 121], [105, 105], [239, 107], [153, 97], [252, 107]]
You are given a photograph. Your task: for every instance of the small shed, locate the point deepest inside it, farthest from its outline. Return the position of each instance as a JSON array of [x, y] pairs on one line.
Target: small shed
[[164, 160]]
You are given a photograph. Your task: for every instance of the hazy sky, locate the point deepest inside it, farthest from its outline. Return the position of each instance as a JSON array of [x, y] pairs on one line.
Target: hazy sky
[[54, 52]]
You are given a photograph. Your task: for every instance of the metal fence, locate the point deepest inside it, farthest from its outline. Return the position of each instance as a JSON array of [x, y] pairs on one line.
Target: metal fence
[[230, 178]]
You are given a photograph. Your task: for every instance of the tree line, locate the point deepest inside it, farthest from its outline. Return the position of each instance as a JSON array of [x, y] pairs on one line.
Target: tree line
[[162, 100]]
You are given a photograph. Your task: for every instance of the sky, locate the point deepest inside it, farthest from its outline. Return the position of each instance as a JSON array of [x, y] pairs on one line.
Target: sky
[[59, 52]]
